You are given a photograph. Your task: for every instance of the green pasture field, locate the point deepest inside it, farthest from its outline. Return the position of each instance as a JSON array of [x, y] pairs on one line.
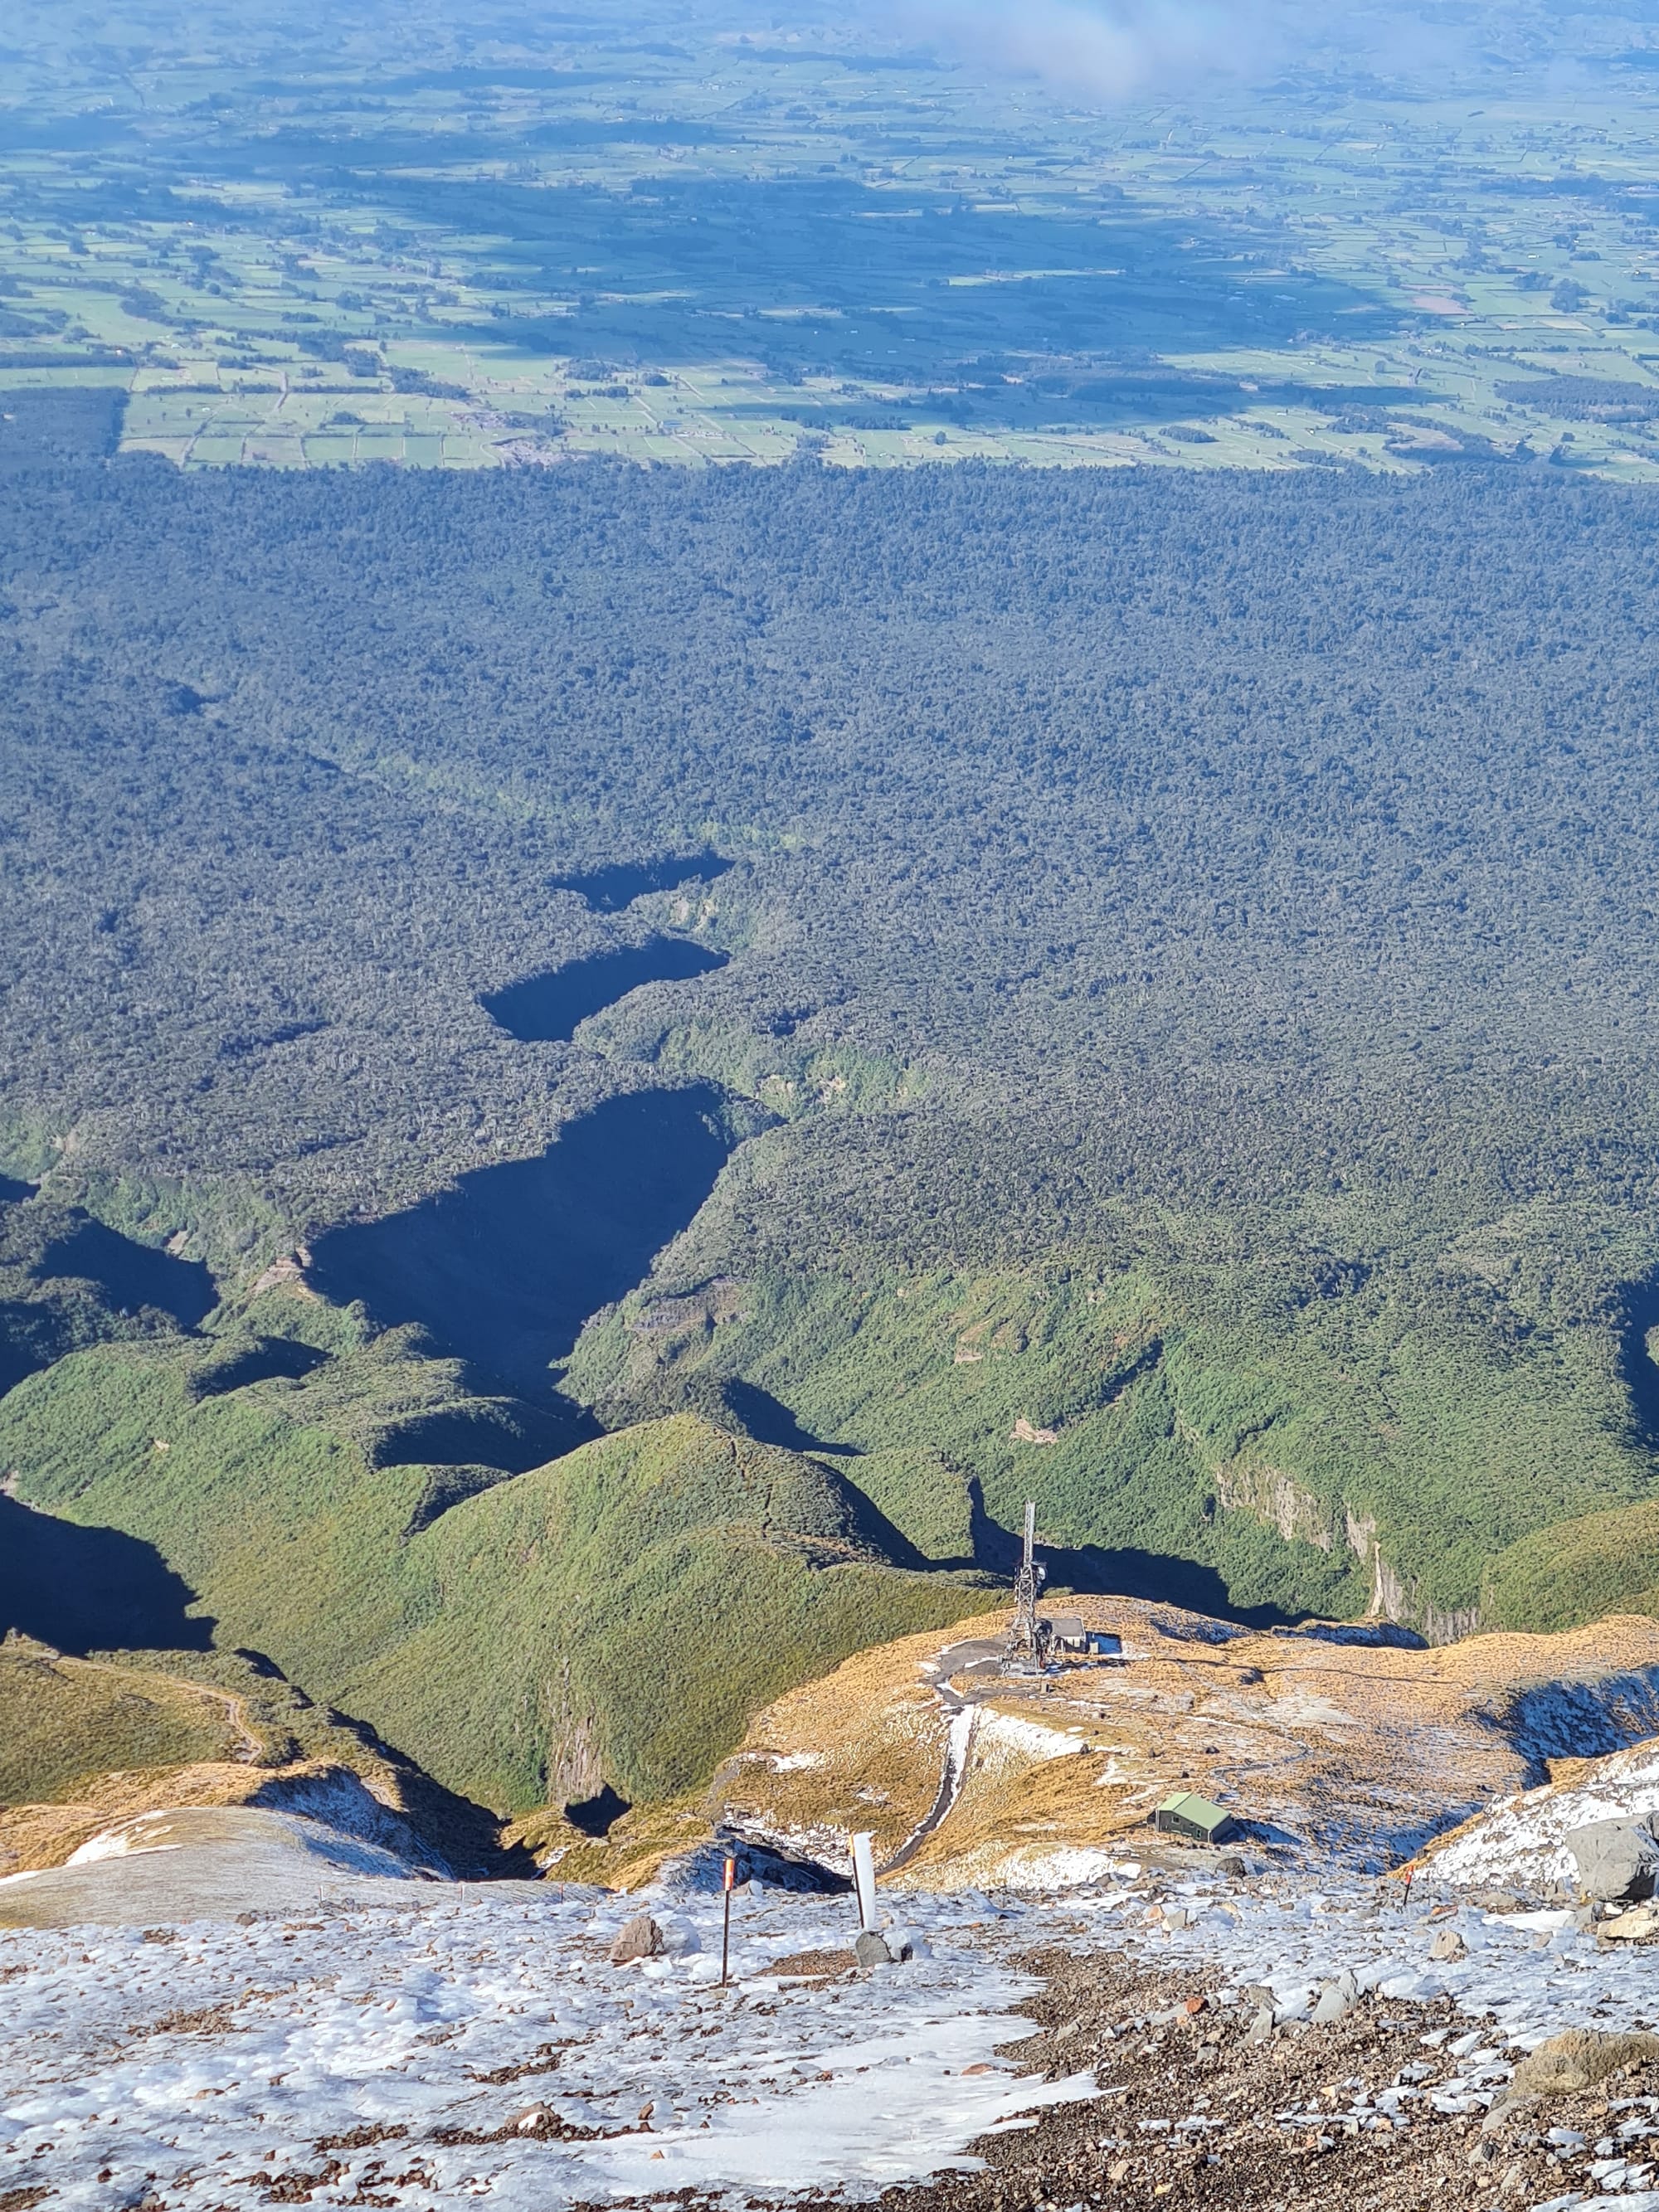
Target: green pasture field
[[683, 244]]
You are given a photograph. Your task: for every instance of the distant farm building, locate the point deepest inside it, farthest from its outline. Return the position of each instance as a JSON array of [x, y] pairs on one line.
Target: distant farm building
[[1194, 1818]]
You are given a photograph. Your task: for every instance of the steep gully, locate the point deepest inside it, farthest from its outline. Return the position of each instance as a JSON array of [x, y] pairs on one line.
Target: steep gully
[[548, 1009], [505, 1267]]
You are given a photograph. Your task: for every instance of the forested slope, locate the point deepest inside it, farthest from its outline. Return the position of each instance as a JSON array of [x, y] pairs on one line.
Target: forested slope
[[614, 1616], [1285, 824], [1188, 988]]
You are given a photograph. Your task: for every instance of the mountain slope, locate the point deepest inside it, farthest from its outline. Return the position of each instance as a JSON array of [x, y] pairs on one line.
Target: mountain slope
[[1133, 990], [1258, 1434], [613, 1616]]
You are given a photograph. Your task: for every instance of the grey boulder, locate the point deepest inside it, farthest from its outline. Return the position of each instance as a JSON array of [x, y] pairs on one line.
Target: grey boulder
[[1336, 2000], [638, 1938], [1617, 1861]]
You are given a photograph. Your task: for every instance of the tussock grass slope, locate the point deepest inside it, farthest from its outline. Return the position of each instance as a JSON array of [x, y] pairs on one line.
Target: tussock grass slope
[[1358, 1751], [65, 1722]]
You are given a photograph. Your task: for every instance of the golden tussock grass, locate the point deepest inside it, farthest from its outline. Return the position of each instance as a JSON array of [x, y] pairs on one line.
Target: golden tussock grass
[[1320, 1739]]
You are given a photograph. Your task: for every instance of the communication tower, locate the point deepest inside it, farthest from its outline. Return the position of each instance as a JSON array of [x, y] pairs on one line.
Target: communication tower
[[1028, 1643]]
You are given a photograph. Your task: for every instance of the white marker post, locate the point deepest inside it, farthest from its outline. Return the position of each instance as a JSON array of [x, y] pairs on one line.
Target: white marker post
[[864, 1880]]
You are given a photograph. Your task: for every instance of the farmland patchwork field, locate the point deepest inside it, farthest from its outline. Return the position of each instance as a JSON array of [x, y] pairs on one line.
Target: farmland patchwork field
[[680, 236]]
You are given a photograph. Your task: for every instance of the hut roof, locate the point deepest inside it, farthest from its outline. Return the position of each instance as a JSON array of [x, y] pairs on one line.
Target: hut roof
[[1198, 1811]]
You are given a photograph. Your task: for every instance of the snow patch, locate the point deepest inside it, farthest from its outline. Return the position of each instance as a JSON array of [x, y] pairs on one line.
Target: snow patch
[[397, 2015], [1007, 1732], [1522, 1842], [1069, 1866], [142, 1834]]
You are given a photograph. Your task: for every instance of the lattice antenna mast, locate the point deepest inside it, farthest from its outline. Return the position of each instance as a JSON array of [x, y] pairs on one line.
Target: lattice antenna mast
[[1028, 1638]]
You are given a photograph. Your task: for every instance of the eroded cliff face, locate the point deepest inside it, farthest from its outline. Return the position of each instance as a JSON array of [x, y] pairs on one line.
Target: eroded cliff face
[[1252, 1485], [1394, 1598], [1271, 1495], [575, 1762]]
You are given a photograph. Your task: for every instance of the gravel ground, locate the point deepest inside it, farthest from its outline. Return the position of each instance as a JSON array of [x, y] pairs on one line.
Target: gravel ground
[[1288, 2124], [1192, 2110], [483, 2047]]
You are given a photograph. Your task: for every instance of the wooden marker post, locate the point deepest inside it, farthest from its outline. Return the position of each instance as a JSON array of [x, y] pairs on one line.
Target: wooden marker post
[[729, 1884]]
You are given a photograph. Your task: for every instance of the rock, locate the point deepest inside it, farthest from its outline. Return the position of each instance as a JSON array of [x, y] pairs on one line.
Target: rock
[[1261, 2027], [1337, 2000], [1639, 1923], [871, 1950], [1617, 1861], [1568, 2064], [640, 1938], [536, 2121], [1447, 1944]]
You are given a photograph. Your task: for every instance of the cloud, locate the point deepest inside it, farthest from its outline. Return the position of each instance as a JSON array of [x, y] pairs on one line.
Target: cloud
[[1101, 52], [1101, 49]]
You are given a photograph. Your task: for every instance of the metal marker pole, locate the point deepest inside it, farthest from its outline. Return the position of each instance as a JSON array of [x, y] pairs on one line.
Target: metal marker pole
[[725, 1930]]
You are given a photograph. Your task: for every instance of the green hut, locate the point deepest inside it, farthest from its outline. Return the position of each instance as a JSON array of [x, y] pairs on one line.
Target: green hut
[[1194, 1818]]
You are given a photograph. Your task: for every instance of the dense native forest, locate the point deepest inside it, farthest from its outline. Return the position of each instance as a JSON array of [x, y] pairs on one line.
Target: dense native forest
[[916, 990]]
